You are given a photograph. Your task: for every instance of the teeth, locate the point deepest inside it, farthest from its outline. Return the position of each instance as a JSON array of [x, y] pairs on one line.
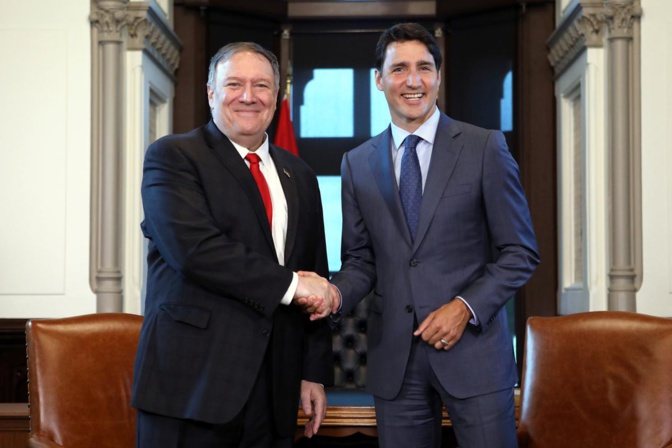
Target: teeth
[[413, 95]]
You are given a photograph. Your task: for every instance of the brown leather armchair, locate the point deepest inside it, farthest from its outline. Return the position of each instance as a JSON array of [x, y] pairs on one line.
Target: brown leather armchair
[[599, 379], [80, 371]]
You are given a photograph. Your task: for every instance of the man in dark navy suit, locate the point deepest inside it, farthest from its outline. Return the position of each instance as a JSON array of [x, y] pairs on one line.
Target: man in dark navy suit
[[435, 222], [228, 347]]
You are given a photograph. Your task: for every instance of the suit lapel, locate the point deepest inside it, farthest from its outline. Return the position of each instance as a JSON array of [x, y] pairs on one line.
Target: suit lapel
[[380, 161], [229, 157], [448, 144], [291, 196]]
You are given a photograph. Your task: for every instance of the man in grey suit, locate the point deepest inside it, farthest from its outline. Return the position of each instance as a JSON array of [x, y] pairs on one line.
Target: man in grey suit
[[436, 223]]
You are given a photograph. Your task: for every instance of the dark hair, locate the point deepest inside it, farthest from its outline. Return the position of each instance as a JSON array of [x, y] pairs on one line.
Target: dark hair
[[227, 51], [405, 32]]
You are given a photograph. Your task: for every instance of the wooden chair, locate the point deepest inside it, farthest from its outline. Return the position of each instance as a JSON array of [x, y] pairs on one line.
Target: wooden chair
[[599, 379], [80, 371]]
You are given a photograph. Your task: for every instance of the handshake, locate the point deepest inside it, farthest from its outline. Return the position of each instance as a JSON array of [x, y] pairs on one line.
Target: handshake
[[316, 295]]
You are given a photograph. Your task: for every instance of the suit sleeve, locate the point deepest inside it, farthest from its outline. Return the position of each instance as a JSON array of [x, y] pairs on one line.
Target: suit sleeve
[[357, 276], [318, 364], [510, 227], [179, 223]]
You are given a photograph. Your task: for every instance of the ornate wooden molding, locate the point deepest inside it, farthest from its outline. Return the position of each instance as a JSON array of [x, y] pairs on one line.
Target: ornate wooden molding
[[341, 421], [149, 32], [585, 27], [591, 26], [582, 28], [614, 26]]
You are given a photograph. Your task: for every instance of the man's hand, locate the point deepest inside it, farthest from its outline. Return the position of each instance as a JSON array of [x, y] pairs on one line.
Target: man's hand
[[314, 404], [316, 295], [444, 327]]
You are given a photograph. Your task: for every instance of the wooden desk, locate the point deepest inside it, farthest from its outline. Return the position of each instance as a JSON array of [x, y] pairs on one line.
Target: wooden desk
[[342, 421], [14, 425]]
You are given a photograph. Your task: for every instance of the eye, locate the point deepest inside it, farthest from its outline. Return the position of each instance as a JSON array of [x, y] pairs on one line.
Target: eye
[[232, 84]]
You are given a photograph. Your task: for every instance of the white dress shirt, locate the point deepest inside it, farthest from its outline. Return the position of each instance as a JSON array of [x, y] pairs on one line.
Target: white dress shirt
[[280, 214], [427, 131]]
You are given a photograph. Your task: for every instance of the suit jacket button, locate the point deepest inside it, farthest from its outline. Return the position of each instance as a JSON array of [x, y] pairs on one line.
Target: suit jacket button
[[413, 263], [266, 333], [409, 309]]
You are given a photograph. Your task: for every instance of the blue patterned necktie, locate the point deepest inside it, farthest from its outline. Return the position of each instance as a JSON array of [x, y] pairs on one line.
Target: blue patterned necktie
[[410, 184]]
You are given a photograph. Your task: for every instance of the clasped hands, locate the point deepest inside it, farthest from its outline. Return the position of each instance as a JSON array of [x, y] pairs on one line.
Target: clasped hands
[[316, 295]]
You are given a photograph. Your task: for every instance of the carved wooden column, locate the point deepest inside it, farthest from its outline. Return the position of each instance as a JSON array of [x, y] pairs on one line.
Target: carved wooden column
[[620, 16], [108, 20]]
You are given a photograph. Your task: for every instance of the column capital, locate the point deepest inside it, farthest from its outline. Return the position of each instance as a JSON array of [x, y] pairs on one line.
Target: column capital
[[620, 15], [148, 31], [109, 18], [582, 28], [591, 26]]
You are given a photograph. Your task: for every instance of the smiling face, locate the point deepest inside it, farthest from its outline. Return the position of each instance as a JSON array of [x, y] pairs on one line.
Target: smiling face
[[243, 98], [410, 81]]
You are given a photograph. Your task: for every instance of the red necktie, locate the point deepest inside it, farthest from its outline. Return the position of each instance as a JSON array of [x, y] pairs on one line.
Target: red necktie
[[261, 183]]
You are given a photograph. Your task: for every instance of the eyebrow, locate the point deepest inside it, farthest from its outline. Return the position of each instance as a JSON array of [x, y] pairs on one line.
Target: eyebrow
[[254, 80], [422, 63]]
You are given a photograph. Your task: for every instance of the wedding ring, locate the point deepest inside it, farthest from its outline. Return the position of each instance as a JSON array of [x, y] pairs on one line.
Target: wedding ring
[[444, 342]]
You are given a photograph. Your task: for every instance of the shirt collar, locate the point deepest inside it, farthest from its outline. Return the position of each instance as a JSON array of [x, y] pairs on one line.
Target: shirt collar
[[263, 151], [427, 130]]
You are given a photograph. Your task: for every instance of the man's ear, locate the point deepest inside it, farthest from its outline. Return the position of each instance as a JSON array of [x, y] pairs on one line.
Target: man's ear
[[379, 80], [211, 95]]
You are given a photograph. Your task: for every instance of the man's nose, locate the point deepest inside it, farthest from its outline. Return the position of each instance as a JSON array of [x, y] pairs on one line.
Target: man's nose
[[248, 94], [413, 79]]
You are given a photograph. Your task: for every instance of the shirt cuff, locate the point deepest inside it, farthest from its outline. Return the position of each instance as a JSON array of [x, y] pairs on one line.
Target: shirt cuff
[[289, 295], [340, 296], [336, 317], [474, 319]]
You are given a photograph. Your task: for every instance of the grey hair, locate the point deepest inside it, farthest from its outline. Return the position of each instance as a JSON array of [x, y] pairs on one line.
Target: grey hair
[[227, 51]]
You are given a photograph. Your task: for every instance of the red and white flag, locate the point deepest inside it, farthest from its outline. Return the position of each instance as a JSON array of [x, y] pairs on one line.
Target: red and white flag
[[284, 134]]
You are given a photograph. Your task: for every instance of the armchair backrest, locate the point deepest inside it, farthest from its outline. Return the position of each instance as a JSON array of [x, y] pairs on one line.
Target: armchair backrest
[[349, 344], [599, 379], [80, 371]]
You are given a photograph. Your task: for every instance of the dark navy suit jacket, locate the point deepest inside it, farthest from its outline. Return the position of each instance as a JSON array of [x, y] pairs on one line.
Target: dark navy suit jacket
[[474, 239], [214, 284]]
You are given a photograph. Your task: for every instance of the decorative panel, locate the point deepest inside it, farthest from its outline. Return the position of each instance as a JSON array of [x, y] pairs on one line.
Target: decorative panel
[[33, 175]]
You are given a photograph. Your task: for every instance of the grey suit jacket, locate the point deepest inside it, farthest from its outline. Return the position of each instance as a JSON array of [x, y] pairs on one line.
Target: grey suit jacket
[[474, 239]]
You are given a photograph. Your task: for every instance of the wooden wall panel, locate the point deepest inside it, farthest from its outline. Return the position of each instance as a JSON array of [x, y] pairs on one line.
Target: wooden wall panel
[[535, 113]]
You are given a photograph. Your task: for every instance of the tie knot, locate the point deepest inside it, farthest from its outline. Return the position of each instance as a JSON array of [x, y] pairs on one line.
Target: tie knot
[[254, 159], [412, 141]]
